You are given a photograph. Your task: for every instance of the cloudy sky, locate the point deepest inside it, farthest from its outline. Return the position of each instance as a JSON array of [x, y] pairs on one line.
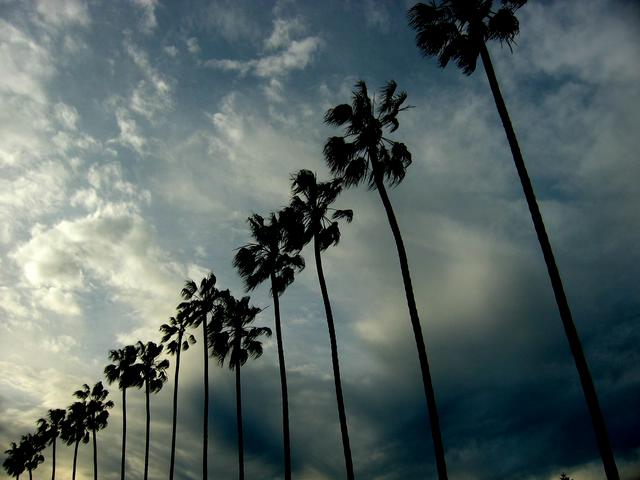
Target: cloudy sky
[[136, 136]]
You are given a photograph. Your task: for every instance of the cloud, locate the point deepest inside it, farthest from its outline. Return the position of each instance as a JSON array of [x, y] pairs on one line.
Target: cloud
[[283, 29], [130, 135], [67, 115], [192, 45], [171, 50], [148, 23], [61, 13]]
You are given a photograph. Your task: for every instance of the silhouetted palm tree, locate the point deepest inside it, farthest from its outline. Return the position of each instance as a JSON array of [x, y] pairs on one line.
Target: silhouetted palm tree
[[74, 429], [127, 374], [14, 464], [154, 377], [174, 338], [97, 414], [365, 154], [268, 259], [238, 341], [197, 306], [312, 201], [31, 446], [459, 30], [49, 431]]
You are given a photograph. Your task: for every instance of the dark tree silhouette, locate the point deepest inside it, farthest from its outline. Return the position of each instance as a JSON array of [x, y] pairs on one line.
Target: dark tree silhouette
[[364, 154], [312, 201], [564, 476], [49, 431], [74, 430], [268, 258], [127, 374], [14, 464], [154, 377], [174, 338], [97, 414], [238, 341], [198, 304], [31, 447], [459, 30]]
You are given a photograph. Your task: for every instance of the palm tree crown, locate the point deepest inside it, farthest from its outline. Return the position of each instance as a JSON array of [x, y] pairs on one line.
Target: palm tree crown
[[364, 153], [97, 405], [153, 370], [14, 464], [174, 334], [49, 427], [31, 446], [457, 29], [271, 253], [74, 426], [123, 369]]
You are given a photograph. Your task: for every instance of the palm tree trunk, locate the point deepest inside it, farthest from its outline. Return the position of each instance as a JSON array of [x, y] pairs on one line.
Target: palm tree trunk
[[239, 422], [334, 359], [95, 456], [429, 393], [75, 458], [205, 440], [53, 471], [175, 409], [283, 382], [146, 441], [602, 437], [30, 477], [124, 432]]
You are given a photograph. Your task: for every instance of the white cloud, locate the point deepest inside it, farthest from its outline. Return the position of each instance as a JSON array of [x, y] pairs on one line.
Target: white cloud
[[67, 115], [148, 23], [283, 29], [192, 45], [171, 50], [130, 135], [63, 12], [59, 344]]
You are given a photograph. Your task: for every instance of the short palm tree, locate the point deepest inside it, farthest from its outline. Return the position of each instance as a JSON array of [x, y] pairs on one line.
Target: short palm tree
[[127, 374], [49, 431], [459, 30], [197, 306], [97, 414], [365, 154], [176, 339], [154, 376], [268, 258], [31, 446], [14, 464], [238, 341], [312, 201], [74, 429]]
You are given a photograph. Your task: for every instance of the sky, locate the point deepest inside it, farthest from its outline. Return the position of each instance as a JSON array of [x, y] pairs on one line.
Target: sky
[[136, 137]]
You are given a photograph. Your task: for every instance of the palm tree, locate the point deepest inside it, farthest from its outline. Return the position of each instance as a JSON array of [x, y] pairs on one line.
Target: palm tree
[[198, 304], [31, 446], [459, 30], [238, 341], [174, 333], [269, 258], [49, 431], [97, 414], [154, 377], [74, 429], [365, 154], [127, 374], [14, 464], [312, 201]]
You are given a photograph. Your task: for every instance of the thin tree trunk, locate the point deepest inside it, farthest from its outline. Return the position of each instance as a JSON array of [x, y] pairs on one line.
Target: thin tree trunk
[[239, 422], [95, 456], [602, 437], [175, 409], [148, 426], [206, 401], [30, 477], [429, 393], [53, 471], [75, 458], [124, 432], [336, 365], [283, 383]]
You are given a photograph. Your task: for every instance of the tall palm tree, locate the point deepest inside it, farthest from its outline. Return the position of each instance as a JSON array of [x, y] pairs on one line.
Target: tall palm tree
[[49, 431], [127, 374], [197, 306], [459, 30], [237, 341], [268, 258], [14, 464], [364, 154], [97, 414], [312, 201], [74, 429], [174, 337], [154, 377], [31, 447]]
